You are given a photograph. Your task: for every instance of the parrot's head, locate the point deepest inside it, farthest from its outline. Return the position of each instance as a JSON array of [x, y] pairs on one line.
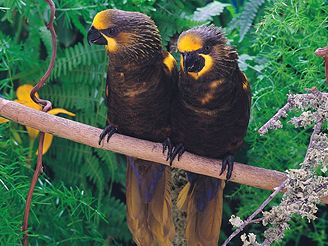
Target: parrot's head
[[126, 35], [204, 49]]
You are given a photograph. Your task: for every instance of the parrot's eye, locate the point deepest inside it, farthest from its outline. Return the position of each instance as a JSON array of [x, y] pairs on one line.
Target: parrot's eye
[[112, 31], [207, 49]]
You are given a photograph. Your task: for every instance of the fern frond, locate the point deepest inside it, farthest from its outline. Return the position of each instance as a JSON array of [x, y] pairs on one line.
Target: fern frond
[[73, 96], [79, 55], [207, 12], [116, 216], [92, 75], [245, 20], [46, 38], [92, 170], [115, 168], [74, 154]]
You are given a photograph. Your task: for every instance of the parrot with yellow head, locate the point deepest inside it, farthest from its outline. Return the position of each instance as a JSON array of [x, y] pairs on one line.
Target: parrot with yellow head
[[138, 95], [210, 116]]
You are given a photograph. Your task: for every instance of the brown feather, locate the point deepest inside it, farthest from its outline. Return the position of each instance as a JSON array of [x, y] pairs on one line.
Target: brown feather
[[137, 212], [149, 221], [210, 117], [138, 96], [160, 213], [202, 227]]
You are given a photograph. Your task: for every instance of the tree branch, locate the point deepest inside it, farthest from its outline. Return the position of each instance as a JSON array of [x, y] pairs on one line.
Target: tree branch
[[88, 135], [296, 182], [274, 122], [250, 219]]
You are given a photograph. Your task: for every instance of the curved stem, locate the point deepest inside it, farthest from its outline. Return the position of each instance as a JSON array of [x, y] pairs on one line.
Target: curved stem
[[32, 186], [46, 107]]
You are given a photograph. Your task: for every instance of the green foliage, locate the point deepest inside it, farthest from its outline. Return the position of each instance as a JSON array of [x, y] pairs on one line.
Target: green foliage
[[284, 62], [206, 13], [245, 20], [58, 213], [80, 198], [77, 84]]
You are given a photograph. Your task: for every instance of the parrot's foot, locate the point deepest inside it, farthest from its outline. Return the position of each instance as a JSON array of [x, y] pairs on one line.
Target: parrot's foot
[[227, 162], [109, 131], [167, 145], [177, 151]]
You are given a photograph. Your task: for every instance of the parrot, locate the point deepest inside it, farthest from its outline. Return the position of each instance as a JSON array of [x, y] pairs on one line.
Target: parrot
[[209, 117], [138, 96]]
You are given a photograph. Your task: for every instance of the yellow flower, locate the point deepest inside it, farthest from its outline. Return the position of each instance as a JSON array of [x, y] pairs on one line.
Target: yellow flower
[[3, 120], [23, 97]]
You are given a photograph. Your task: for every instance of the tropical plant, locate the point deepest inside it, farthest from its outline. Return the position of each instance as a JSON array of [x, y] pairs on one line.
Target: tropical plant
[[79, 198]]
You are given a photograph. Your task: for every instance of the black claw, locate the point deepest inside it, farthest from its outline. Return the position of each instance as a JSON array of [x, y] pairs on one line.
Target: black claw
[[178, 151], [229, 172], [109, 131], [181, 153], [223, 167], [167, 145], [227, 162]]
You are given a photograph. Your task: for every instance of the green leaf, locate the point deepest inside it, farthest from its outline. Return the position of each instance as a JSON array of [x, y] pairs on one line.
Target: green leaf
[[244, 21], [207, 13]]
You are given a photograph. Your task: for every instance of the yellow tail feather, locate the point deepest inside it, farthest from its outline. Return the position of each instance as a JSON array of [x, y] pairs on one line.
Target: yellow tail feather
[[137, 211], [202, 227], [149, 222], [182, 198], [160, 212]]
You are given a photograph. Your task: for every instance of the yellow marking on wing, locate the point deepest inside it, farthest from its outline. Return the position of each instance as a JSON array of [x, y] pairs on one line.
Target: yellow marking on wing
[[207, 98], [189, 42], [245, 83], [136, 90], [169, 61], [102, 20], [215, 84], [207, 67], [212, 89]]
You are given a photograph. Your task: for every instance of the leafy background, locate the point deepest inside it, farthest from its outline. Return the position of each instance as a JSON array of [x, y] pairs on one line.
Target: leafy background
[[79, 199]]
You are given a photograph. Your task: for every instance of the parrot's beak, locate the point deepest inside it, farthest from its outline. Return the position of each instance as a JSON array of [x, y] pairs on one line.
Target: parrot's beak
[[192, 62], [95, 37]]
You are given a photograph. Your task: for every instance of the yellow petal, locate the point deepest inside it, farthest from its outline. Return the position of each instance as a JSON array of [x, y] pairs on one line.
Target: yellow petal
[[32, 133], [3, 120], [34, 105], [23, 92], [56, 111], [47, 142], [30, 104]]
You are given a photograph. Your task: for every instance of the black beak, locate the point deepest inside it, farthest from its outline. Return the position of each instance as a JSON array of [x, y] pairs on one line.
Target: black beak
[[95, 37], [192, 62]]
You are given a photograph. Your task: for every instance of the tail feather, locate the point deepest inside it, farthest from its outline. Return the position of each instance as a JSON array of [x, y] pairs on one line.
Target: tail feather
[[149, 203], [202, 198], [137, 211], [160, 214], [183, 197]]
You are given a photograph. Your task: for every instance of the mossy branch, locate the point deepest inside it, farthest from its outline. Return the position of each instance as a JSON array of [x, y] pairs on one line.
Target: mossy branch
[[88, 135], [303, 188]]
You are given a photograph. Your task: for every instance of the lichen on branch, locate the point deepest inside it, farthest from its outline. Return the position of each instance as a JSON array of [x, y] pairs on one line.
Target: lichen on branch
[[303, 187]]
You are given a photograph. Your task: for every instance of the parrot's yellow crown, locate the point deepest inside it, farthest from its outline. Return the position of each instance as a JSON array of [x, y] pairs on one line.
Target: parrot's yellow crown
[[189, 42]]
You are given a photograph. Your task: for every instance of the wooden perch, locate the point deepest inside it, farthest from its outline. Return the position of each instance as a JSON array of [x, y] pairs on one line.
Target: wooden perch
[[88, 135]]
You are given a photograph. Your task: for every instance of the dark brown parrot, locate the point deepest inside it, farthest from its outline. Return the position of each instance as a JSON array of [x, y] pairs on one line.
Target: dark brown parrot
[[138, 94], [210, 116]]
